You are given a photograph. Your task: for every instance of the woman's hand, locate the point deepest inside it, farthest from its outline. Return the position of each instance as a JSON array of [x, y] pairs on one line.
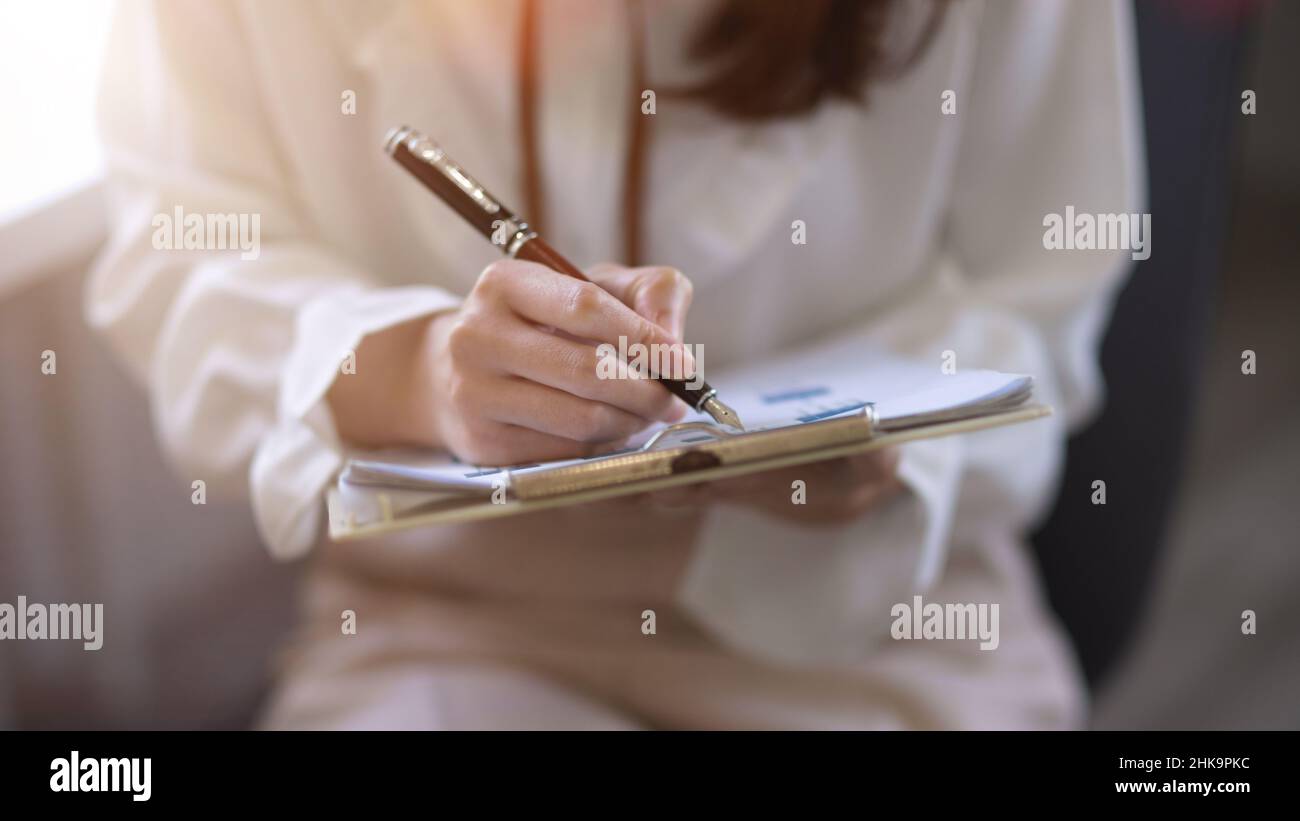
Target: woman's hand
[[836, 491], [511, 376], [833, 492]]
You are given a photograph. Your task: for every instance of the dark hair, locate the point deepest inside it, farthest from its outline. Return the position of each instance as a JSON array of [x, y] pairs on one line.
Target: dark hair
[[780, 58]]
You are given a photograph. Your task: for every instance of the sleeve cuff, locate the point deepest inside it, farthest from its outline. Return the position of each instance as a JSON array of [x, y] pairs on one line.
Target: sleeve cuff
[[298, 458]]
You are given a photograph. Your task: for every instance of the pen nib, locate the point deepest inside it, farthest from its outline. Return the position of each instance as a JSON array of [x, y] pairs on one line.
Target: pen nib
[[722, 414]]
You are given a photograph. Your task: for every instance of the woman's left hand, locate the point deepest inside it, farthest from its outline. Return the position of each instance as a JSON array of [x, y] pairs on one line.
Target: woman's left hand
[[833, 492]]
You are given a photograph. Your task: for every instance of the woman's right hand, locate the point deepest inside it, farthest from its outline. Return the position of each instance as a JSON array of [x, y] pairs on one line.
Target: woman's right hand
[[511, 375]]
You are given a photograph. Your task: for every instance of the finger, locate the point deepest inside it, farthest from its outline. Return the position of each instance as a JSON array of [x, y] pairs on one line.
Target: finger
[[577, 307], [779, 481], [659, 293], [870, 495], [686, 497], [544, 409], [523, 350], [873, 466], [510, 445], [684, 500], [843, 474], [837, 481]]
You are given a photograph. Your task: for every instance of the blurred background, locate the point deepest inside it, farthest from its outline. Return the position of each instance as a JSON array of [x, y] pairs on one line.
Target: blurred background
[[1201, 461]]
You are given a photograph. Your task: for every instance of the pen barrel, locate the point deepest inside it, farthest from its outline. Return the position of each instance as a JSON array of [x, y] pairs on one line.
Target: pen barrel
[[536, 250], [451, 192], [693, 396]]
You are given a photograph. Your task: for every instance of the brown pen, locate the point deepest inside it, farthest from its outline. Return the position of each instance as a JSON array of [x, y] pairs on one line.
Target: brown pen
[[428, 163]]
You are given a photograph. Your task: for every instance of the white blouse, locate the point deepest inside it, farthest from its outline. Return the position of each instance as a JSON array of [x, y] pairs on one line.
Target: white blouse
[[924, 234]]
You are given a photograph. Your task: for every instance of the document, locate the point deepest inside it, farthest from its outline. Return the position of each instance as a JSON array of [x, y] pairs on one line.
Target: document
[[901, 394]]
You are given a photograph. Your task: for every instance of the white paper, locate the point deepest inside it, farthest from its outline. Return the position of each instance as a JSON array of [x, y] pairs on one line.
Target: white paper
[[765, 397]]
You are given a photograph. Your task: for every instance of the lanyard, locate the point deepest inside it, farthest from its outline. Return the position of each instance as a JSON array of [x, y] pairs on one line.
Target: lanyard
[[638, 128]]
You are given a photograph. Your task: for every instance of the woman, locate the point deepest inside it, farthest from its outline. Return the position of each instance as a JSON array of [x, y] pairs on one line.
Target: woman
[[916, 147]]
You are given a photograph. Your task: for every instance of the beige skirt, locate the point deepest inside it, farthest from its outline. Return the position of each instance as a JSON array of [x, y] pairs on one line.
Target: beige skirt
[[489, 630]]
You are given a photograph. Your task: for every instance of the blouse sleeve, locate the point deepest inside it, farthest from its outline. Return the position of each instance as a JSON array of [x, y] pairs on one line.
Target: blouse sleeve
[[237, 347]]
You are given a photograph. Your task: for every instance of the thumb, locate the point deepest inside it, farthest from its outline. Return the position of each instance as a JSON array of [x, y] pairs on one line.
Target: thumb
[[658, 293]]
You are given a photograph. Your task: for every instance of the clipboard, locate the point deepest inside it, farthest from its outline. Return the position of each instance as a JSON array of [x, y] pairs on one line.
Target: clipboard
[[663, 462]]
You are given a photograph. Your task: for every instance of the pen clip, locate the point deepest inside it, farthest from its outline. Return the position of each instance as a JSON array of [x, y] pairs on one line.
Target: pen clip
[[429, 163], [713, 430], [430, 153]]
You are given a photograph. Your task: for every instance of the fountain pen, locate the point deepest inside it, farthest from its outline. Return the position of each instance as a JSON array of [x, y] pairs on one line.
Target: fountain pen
[[429, 164]]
